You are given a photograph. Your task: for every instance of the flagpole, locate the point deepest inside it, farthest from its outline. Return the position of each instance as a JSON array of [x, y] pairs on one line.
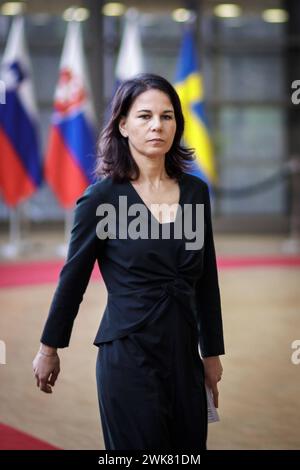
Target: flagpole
[[69, 214], [13, 248], [62, 249]]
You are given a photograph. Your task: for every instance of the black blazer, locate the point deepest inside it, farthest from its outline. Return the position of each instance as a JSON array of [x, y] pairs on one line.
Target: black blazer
[[143, 277]]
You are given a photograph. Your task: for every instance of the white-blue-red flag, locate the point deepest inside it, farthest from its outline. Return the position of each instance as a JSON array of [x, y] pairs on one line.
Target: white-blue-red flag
[[70, 156], [20, 158]]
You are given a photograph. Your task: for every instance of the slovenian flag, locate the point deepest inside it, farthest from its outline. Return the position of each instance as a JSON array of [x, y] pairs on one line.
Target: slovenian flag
[[20, 158], [70, 157]]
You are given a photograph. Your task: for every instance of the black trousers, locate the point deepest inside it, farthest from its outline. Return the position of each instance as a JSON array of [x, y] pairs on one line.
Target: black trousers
[[151, 388]]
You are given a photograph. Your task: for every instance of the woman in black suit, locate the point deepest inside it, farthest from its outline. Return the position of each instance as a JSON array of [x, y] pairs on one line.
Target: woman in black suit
[[144, 223]]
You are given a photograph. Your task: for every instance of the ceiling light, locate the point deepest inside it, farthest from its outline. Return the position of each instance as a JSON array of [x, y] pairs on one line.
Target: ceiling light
[[275, 15], [181, 15], [227, 10], [76, 14], [113, 9], [12, 8], [81, 14]]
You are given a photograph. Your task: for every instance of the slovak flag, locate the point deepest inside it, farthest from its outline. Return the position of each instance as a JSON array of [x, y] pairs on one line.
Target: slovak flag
[[20, 157], [70, 157]]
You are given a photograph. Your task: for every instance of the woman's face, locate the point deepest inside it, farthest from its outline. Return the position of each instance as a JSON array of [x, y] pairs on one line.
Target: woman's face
[[150, 124]]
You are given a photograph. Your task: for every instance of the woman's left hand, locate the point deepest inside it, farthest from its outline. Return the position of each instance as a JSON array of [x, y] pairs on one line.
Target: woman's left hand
[[213, 374]]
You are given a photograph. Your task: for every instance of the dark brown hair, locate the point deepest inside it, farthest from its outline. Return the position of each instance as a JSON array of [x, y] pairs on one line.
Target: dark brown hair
[[114, 157]]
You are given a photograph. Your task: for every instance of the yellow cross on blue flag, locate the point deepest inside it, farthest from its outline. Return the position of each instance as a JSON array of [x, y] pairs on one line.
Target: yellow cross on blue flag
[[189, 86]]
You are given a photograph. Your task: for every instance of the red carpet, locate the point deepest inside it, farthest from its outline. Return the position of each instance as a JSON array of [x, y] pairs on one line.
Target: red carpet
[[258, 261], [33, 273], [12, 439], [43, 272]]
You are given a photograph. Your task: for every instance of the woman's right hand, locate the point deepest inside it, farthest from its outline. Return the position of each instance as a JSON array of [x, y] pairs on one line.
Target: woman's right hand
[[46, 368]]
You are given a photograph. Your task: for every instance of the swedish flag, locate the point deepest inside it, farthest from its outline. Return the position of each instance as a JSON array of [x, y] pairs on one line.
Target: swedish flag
[[189, 86]]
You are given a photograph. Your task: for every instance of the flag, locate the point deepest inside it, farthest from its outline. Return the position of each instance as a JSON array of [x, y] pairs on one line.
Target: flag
[[70, 155], [189, 86], [20, 158], [130, 57]]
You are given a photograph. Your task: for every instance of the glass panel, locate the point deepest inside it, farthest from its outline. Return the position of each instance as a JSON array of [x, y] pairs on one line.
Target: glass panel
[[45, 71], [251, 77], [251, 133], [249, 26], [45, 29], [269, 201], [43, 206]]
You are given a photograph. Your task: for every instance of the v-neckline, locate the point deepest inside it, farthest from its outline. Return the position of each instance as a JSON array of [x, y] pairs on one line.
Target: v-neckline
[[151, 213]]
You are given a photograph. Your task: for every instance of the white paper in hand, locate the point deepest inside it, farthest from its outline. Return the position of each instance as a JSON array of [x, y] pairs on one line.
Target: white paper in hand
[[212, 414]]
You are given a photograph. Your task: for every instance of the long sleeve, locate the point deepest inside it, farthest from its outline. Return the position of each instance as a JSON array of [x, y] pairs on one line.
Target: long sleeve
[[76, 272], [208, 294]]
